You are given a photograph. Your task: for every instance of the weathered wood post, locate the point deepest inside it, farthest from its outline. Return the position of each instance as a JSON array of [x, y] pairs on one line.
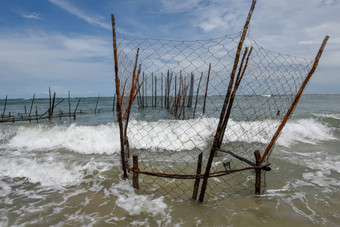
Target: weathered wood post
[[197, 180], [257, 155], [119, 107], [135, 178], [226, 101]]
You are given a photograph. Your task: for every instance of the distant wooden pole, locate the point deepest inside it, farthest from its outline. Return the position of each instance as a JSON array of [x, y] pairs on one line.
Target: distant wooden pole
[[206, 89], [161, 90], [198, 89], [95, 110], [29, 115], [53, 101], [3, 113], [36, 113], [69, 104], [75, 110]]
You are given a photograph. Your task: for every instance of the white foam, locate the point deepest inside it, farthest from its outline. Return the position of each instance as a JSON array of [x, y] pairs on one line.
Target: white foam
[[136, 204], [83, 139], [48, 171], [304, 131], [334, 116], [160, 135]]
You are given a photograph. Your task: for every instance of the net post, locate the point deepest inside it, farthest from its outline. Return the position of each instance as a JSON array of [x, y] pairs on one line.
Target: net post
[[119, 103], [135, 176], [257, 155], [198, 172], [219, 127], [296, 99]]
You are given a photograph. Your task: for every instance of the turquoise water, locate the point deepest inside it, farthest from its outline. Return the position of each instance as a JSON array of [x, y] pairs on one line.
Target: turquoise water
[[67, 172]]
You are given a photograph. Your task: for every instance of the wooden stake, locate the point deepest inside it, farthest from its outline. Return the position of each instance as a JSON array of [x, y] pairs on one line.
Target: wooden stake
[[198, 88], [206, 89], [226, 100], [257, 155], [29, 115], [69, 104], [135, 170], [95, 109], [198, 172], [119, 110], [3, 113]]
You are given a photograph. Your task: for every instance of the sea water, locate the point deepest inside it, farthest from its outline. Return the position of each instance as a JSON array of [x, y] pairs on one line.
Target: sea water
[[68, 172]]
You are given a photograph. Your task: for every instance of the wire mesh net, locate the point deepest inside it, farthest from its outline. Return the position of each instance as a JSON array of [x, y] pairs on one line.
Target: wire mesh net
[[179, 96]]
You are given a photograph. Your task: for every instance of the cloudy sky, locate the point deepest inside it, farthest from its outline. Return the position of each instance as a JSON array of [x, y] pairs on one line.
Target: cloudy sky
[[67, 44]]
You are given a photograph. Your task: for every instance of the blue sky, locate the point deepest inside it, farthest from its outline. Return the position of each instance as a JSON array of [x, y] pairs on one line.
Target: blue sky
[[67, 44]]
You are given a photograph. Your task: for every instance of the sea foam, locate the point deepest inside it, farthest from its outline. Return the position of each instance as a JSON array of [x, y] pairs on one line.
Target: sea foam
[[160, 135]]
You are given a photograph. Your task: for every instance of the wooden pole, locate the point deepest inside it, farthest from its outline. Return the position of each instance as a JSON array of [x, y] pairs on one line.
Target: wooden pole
[[25, 109], [191, 91], [206, 89], [69, 104], [36, 113], [113, 103], [198, 172], [29, 115], [296, 99], [95, 109], [152, 90], [3, 113], [53, 101], [226, 100], [257, 155], [119, 110], [161, 90], [155, 91], [135, 170], [198, 88], [75, 110]]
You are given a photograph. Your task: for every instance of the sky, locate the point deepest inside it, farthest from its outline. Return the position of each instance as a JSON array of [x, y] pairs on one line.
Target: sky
[[67, 44]]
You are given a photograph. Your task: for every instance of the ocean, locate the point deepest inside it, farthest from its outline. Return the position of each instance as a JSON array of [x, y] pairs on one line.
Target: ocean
[[67, 172]]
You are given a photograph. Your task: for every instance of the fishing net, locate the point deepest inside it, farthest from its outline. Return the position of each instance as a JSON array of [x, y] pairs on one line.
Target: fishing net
[[179, 96]]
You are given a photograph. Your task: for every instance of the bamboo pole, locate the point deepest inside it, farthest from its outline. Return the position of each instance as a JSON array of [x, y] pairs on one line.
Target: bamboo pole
[[53, 101], [198, 88], [218, 131], [296, 99], [197, 180], [119, 110]]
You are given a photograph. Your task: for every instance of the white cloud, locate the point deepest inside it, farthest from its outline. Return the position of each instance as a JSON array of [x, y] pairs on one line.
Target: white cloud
[[94, 20], [53, 56], [33, 15]]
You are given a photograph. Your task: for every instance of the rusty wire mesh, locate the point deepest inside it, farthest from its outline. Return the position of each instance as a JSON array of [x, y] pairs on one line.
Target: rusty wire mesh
[[174, 117]]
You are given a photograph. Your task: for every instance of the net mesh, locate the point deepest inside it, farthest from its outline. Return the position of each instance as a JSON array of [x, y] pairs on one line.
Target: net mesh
[[180, 93]]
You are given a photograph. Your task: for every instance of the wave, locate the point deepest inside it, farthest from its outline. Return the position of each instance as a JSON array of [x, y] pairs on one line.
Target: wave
[[158, 135], [324, 115]]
